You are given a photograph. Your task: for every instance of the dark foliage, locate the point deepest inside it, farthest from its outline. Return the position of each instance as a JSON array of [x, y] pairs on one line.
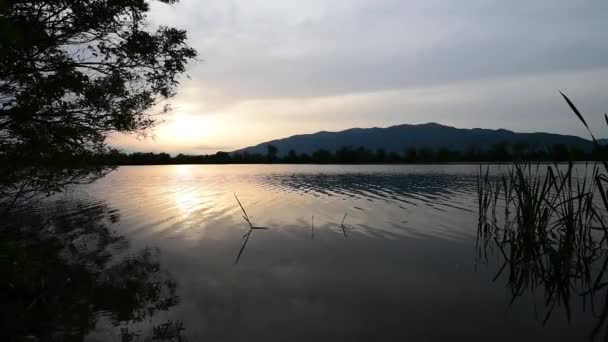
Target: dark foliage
[[501, 152], [73, 71]]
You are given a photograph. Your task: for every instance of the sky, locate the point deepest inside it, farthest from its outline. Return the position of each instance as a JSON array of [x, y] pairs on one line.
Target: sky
[[270, 69]]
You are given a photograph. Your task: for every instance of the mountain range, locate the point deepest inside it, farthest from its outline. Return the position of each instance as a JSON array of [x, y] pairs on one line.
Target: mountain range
[[403, 137]]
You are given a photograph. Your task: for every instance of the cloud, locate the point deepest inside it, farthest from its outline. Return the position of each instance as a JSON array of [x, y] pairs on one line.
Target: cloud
[[204, 148], [280, 49], [272, 68], [530, 103]]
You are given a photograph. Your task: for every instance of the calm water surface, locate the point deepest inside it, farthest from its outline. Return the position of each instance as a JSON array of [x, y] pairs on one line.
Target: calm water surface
[[351, 253]]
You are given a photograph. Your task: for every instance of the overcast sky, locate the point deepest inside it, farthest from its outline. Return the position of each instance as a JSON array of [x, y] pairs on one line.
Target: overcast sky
[[273, 68]]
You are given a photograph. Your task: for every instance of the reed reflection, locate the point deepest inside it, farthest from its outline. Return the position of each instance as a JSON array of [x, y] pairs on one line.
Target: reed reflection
[[550, 235]]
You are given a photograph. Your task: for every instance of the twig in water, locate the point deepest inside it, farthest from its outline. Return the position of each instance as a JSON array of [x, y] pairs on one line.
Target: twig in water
[[248, 234], [312, 227], [342, 225], [245, 216]]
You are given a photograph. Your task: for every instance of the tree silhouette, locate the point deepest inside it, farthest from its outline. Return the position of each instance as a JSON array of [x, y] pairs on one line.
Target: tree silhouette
[[349, 155], [73, 71], [272, 153]]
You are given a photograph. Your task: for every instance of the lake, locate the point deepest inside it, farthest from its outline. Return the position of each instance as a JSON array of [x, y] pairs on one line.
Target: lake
[[379, 252]]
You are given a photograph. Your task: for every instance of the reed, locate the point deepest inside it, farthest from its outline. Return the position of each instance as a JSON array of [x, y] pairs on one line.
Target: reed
[[553, 235], [601, 181], [248, 234], [548, 243]]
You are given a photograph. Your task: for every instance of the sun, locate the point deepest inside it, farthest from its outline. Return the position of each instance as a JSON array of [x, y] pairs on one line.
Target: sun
[[183, 129], [188, 126]]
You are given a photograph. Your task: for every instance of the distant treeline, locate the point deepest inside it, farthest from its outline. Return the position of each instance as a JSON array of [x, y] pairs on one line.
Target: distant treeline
[[501, 152]]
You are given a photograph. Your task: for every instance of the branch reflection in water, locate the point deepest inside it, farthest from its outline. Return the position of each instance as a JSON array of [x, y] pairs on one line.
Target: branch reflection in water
[[66, 273]]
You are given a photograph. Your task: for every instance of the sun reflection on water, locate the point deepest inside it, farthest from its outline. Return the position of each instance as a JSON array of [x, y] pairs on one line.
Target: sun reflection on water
[[186, 201]]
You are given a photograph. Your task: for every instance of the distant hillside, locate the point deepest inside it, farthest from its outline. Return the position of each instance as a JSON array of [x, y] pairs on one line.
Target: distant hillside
[[402, 137]]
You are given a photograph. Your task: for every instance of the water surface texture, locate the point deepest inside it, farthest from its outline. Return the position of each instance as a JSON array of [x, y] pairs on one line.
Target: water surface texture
[[350, 253]]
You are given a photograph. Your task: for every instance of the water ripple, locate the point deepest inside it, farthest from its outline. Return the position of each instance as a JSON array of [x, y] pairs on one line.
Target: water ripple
[[184, 200]]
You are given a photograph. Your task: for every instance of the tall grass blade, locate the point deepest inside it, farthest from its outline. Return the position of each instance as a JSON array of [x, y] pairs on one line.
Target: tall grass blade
[[578, 114]]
